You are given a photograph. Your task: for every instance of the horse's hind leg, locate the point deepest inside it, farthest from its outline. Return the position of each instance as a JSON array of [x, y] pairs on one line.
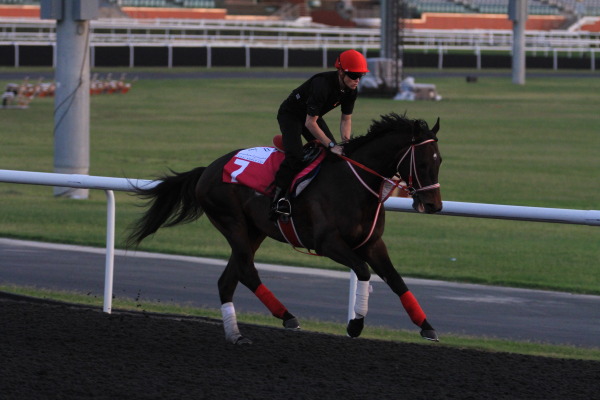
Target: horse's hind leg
[[249, 277], [244, 242], [377, 256], [227, 285]]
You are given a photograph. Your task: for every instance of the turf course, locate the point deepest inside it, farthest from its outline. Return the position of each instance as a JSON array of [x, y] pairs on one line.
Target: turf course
[[533, 145]]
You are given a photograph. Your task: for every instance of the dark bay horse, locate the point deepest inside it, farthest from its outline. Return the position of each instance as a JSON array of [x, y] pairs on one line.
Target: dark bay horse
[[339, 215]]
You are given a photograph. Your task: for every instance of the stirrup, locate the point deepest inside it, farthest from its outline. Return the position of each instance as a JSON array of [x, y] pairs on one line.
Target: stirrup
[[283, 207]]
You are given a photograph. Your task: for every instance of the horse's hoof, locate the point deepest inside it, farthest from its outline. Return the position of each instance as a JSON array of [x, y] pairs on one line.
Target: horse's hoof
[[242, 341], [291, 323], [355, 327], [430, 334]]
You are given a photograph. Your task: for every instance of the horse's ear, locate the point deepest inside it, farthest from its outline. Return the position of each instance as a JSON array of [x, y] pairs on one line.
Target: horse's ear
[[436, 127]]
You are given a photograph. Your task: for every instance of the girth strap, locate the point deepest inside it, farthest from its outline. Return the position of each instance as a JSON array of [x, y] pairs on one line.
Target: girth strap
[[288, 230]]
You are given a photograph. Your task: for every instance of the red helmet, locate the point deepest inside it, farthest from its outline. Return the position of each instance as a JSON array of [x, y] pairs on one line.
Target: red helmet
[[352, 61]]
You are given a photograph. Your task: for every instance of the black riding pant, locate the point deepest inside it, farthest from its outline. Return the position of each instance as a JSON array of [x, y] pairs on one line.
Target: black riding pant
[[293, 129]]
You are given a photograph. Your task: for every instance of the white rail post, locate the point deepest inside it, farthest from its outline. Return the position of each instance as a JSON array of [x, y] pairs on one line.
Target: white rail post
[[110, 251], [131, 55]]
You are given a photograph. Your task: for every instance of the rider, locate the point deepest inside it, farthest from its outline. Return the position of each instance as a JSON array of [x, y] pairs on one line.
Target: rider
[[301, 115]]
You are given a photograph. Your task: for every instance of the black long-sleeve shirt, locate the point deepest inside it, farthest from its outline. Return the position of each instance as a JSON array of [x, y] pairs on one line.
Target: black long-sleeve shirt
[[319, 95]]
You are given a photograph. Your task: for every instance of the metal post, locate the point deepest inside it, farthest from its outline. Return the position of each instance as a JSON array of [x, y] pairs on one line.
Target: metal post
[[110, 251], [391, 16], [386, 48], [517, 12], [17, 55], [72, 100]]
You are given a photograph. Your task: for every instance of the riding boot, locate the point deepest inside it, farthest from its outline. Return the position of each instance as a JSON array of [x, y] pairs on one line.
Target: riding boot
[[280, 205]]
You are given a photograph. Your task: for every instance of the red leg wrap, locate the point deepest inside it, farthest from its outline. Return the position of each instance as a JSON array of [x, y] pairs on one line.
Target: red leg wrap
[[270, 301], [412, 307]]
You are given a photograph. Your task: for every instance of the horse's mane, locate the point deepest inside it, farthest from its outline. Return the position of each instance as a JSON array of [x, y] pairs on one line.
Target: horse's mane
[[388, 123]]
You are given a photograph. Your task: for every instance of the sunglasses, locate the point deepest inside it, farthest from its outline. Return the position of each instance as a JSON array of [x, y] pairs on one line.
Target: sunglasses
[[354, 75]]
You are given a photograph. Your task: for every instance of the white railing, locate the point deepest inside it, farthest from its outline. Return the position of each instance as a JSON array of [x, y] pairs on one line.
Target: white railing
[[87, 182], [453, 208], [286, 35], [169, 32]]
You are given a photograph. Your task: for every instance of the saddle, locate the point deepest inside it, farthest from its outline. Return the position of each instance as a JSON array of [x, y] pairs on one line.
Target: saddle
[[256, 167], [311, 150]]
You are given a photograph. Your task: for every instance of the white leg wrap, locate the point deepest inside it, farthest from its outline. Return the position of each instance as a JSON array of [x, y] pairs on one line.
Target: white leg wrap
[[361, 305], [232, 332]]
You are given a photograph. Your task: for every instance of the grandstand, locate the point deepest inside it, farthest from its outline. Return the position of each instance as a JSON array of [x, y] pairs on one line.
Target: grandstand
[[415, 8], [535, 7], [179, 33], [419, 14]]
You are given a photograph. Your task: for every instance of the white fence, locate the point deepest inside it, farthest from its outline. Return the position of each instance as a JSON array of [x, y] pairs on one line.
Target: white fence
[[279, 33], [86, 182], [173, 34], [108, 184]]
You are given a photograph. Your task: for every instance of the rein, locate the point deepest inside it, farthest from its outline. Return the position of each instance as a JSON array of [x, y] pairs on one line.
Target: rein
[[351, 162], [410, 188]]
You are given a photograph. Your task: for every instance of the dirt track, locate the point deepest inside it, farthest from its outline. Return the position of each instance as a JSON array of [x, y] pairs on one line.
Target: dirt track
[[53, 351]]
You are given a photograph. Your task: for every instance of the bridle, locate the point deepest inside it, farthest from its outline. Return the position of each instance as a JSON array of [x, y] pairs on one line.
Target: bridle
[[410, 189], [413, 169]]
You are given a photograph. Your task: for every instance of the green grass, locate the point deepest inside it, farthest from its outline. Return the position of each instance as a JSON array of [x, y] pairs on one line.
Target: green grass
[[533, 145], [370, 332]]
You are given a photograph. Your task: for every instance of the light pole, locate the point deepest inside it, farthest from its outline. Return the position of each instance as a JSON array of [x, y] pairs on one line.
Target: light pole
[[517, 12], [72, 96]]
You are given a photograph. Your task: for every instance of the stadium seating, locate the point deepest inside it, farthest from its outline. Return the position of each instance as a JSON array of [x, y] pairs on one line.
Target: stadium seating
[[415, 8], [435, 6], [535, 7]]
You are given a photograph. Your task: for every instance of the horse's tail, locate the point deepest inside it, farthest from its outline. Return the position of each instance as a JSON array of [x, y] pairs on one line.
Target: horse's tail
[[171, 202]]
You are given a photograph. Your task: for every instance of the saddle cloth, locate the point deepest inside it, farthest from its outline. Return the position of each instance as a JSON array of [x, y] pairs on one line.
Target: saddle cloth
[[256, 167]]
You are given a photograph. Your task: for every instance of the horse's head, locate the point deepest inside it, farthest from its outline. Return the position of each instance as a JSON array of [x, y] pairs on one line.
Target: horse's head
[[419, 166], [406, 147]]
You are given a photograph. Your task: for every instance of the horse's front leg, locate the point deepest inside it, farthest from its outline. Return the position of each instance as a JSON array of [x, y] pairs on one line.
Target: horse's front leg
[[377, 256], [336, 249]]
